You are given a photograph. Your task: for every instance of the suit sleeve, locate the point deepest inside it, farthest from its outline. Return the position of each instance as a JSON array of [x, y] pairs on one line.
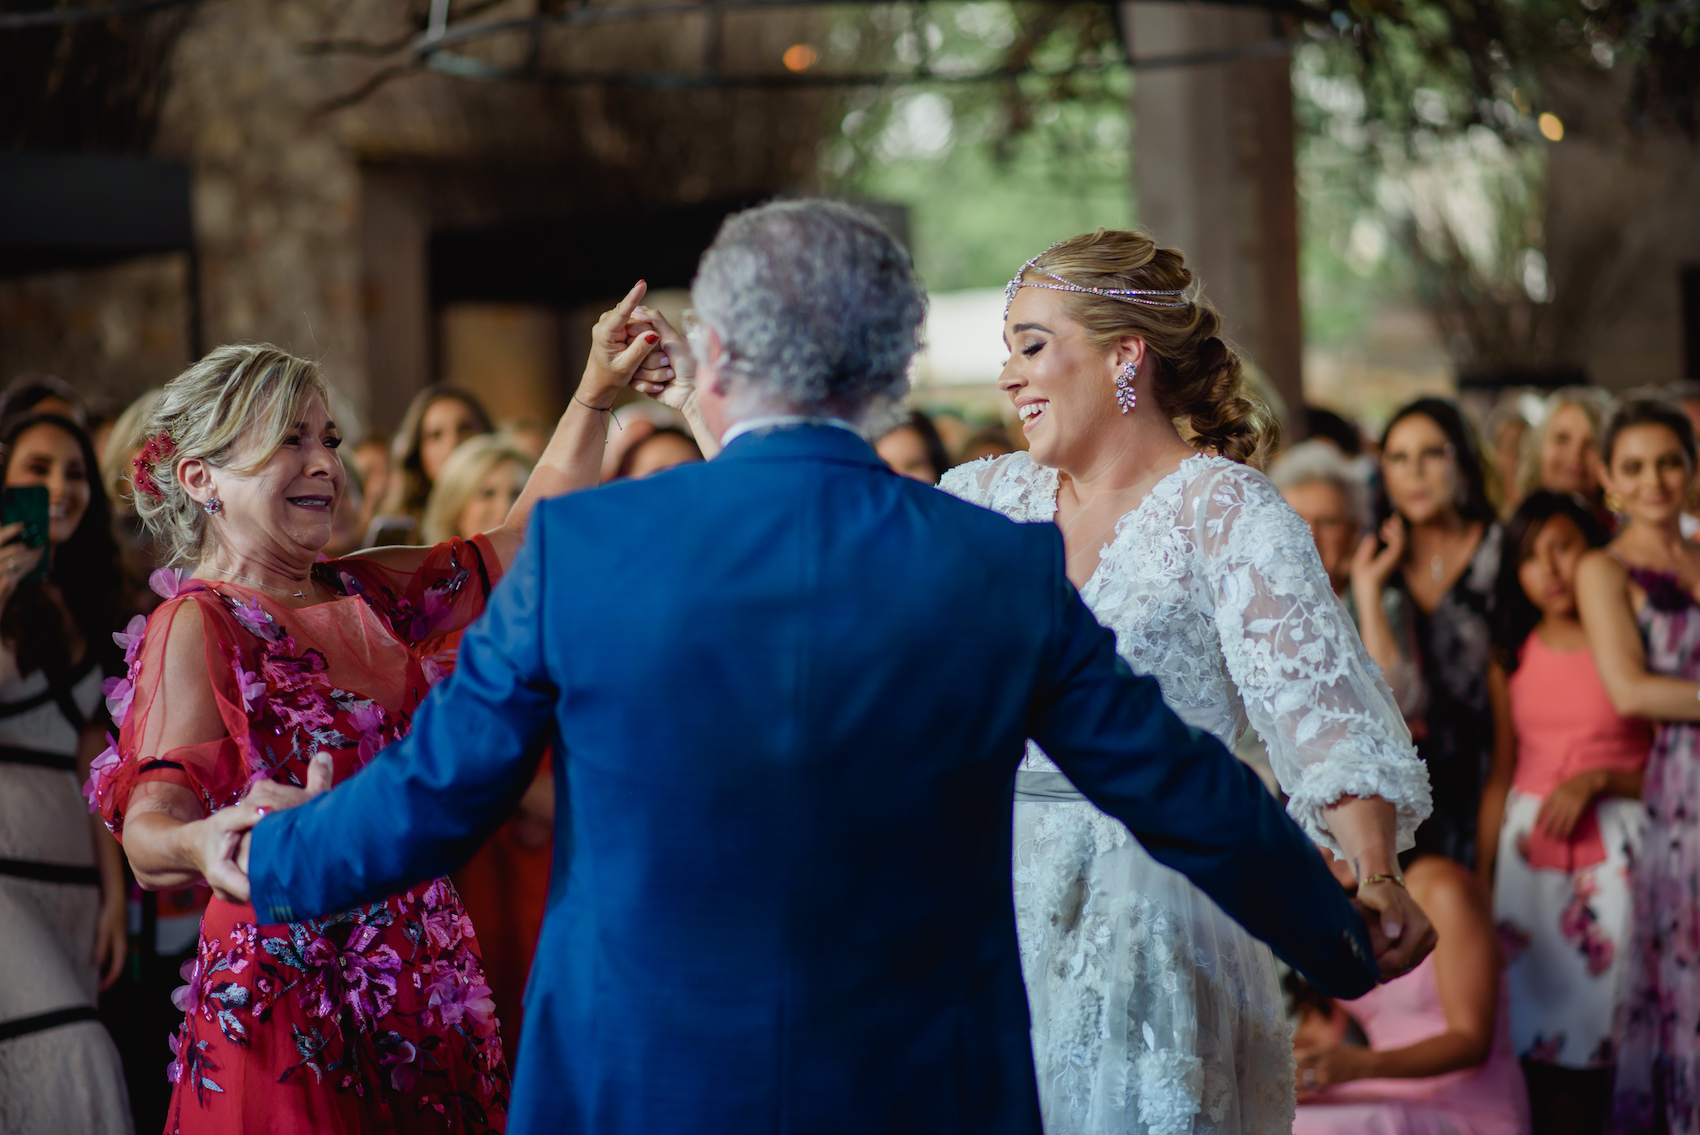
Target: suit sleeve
[[1192, 805], [425, 804]]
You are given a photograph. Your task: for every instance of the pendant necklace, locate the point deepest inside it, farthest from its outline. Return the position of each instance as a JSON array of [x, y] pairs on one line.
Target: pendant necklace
[[279, 590], [1436, 568]]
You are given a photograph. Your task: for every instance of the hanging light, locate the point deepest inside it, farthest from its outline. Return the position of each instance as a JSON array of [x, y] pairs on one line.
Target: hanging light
[[1551, 126], [799, 57]]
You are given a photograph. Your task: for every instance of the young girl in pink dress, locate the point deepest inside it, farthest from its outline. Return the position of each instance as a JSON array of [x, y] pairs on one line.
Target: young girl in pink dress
[[1439, 1060], [1563, 797]]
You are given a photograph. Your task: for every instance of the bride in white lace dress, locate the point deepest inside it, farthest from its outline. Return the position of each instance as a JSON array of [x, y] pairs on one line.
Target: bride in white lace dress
[[1152, 1010]]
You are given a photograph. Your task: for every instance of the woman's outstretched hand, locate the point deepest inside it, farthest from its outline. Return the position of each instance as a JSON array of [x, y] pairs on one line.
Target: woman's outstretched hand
[[619, 345]]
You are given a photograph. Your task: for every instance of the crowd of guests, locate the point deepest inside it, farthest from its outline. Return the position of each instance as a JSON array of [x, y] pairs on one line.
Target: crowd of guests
[[1528, 588]]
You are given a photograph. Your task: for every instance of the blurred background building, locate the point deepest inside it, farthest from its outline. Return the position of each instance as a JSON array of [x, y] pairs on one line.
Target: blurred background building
[[1384, 202]]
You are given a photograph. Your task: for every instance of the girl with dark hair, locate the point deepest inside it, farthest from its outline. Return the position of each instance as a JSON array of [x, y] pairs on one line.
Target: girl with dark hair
[[62, 888], [1638, 605], [1431, 570], [1560, 818]]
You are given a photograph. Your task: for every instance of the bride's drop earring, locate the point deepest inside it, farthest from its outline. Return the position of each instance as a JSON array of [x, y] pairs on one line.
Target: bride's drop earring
[[1126, 396]]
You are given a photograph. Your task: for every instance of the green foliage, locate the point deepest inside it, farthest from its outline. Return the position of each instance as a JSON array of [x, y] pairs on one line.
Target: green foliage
[[992, 172]]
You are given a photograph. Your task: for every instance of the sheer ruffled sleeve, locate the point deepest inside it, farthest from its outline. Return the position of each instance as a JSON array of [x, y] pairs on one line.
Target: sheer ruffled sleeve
[[1310, 689], [154, 716], [427, 601]]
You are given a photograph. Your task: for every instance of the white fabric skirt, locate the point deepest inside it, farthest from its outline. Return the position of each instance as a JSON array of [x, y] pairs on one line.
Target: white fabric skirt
[[1565, 935], [1154, 1013]]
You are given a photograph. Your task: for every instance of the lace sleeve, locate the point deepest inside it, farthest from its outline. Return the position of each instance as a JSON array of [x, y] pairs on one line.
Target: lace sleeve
[[1012, 484], [1309, 688]]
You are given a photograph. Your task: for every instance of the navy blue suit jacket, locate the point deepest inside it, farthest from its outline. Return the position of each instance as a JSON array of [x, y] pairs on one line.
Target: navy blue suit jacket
[[791, 690]]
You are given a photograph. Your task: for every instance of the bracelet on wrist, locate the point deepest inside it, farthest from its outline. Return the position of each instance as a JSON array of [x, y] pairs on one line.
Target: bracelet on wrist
[[1393, 877], [608, 409]]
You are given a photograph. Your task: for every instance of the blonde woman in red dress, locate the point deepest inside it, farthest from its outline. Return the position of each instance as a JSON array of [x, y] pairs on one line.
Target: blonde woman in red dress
[[263, 654]]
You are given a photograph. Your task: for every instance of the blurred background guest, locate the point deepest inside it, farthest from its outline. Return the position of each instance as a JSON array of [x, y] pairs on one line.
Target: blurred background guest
[[989, 441], [438, 419], [505, 886], [139, 553], [915, 449], [62, 885], [1561, 818], [529, 436], [42, 394], [1323, 489], [475, 489], [371, 460], [662, 448], [1439, 1060], [1503, 434], [1637, 601], [1438, 550], [1562, 452]]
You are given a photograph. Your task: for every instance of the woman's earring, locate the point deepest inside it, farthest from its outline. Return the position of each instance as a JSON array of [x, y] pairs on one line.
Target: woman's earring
[[1126, 396], [212, 505], [1614, 504]]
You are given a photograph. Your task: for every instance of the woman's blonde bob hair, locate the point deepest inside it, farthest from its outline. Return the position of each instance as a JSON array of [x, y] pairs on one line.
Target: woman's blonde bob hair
[[1197, 377], [123, 443], [245, 396], [472, 461]]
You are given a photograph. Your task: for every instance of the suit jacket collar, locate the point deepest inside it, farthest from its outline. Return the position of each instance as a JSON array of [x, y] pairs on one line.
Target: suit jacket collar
[[803, 441]]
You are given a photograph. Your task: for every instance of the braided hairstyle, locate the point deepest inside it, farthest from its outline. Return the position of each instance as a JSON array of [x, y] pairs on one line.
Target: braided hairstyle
[[1198, 379]]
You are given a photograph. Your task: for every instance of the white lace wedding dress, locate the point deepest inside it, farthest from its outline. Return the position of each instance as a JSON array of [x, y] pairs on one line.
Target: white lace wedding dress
[[1153, 1012]]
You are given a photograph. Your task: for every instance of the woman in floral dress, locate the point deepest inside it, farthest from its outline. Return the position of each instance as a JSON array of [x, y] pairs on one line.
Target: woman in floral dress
[[1637, 600], [377, 1018]]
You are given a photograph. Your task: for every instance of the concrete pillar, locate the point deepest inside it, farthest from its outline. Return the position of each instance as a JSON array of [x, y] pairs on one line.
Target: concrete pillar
[[1213, 167]]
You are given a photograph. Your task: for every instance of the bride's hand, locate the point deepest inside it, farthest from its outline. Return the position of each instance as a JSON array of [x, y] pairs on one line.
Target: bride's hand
[[1399, 931], [669, 374]]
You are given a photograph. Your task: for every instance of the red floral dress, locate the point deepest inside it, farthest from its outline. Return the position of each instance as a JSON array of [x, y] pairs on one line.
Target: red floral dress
[[376, 1019]]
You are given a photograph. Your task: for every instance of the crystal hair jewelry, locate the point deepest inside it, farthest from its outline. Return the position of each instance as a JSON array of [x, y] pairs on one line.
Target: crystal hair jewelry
[[1126, 396], [1127, 295], [212, 505], [156, 450]]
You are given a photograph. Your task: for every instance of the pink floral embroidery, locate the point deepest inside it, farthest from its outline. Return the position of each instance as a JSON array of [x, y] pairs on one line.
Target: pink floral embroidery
[[168, 583], [120, 693], [100, 772], [130, 638]]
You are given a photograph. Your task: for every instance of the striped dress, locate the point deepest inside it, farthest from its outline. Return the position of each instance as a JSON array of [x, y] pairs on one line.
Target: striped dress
[[59, 1070]]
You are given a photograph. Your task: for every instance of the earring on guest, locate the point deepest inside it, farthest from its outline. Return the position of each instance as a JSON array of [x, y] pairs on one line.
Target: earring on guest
[[1614, 504], [1126, 396], [212, 505]]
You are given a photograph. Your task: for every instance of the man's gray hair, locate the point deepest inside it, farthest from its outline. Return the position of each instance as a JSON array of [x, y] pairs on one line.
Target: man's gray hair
[[817, 307], [1312, 461]]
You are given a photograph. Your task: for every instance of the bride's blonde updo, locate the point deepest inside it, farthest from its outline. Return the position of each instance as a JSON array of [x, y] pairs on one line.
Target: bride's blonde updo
[[238, 393], [1197, 378]]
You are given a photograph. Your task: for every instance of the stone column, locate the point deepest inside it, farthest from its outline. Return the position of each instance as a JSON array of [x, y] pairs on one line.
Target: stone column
[[1213, 168]]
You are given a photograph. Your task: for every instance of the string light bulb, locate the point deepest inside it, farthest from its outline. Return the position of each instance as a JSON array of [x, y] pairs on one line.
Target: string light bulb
[[799, 57]]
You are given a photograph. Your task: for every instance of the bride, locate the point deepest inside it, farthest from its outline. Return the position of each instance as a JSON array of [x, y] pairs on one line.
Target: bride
[[1152, 1010]]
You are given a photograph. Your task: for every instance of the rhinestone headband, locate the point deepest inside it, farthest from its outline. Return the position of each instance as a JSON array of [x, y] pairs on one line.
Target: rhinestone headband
[[1127, 295]]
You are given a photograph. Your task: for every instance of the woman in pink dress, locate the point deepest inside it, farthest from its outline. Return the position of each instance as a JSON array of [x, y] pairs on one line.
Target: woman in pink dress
[[1439, 1060], [1564, 800], [263, 654]]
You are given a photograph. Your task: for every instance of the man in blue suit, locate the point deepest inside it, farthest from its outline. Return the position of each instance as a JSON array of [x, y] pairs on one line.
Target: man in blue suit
[[791, 690]]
